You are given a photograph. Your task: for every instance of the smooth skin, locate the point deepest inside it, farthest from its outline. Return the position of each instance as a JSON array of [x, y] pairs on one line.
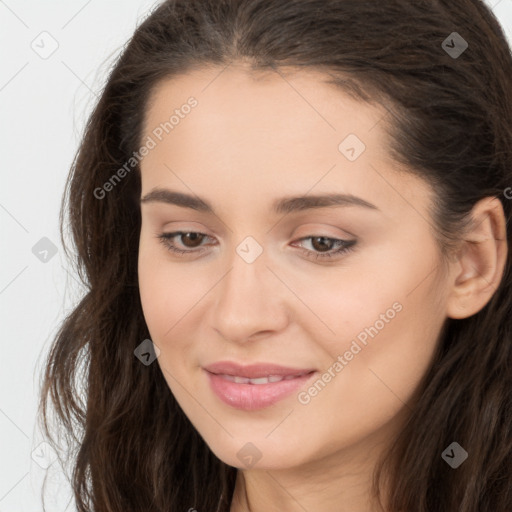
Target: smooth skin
[[252, 139]]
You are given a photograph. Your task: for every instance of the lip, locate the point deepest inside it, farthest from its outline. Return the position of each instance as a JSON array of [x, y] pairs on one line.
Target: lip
[[254, 371], [250, 397]]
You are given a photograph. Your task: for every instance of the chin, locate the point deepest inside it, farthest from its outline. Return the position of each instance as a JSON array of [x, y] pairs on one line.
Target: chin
[[252, 453]]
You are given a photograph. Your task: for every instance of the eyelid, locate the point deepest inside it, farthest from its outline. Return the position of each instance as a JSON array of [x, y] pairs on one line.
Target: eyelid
[[319, 229], [185, 226]]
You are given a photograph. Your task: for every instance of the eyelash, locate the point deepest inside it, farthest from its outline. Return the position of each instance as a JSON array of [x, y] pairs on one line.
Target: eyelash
[[345, 245]]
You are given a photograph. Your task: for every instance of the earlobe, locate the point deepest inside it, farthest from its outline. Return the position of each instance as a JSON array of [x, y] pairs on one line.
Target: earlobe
[[480, 264]]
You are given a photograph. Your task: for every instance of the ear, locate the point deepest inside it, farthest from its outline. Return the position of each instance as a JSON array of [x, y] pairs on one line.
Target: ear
[[479, 266]]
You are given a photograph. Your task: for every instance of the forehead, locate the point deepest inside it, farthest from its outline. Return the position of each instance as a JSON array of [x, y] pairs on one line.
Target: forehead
[[260, 98], [239, 113], [266, 130]]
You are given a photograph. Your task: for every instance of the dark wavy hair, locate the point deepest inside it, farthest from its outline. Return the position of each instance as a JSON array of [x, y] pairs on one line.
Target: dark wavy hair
[[131, 446]]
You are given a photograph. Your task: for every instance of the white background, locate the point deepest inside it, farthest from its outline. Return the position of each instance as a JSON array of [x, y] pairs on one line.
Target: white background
[[44, 104]]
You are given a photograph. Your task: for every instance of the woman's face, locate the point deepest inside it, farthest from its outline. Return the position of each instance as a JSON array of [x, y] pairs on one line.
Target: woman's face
[[259, 280]]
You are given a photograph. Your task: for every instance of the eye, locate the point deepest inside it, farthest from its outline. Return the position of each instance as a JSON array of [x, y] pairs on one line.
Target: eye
[[322, 246], [191, 239], [326, 247]]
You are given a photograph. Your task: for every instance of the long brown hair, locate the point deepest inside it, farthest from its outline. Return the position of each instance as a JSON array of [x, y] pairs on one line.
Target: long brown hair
[[131, 446]]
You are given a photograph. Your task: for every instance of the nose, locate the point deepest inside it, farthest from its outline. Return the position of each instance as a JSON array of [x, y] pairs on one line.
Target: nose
[[250, 302]]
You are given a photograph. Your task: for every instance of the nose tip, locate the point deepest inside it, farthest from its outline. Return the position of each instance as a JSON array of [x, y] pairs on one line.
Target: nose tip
[[248, 304], [242, 337]]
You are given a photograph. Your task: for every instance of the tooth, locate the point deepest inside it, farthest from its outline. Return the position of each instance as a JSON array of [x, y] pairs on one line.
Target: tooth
[[260, 380]]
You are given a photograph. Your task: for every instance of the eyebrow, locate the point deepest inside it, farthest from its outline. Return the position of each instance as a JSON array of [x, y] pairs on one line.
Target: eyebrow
[[280, 206]]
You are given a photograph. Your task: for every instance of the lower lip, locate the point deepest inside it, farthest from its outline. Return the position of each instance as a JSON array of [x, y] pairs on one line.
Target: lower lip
[[250, 397]]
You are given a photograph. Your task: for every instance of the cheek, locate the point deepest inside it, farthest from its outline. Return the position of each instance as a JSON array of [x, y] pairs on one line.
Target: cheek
[[382, 361], [382, 320], [167, 290], [390, 300], [386, 332], [384, 315], [158, 297], [166, 298], [173, 297]]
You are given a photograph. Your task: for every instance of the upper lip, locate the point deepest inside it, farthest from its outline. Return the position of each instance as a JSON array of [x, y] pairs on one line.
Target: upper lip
[[254, 371]]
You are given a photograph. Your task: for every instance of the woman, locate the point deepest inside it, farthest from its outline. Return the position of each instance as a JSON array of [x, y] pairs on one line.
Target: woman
[[293, 221]]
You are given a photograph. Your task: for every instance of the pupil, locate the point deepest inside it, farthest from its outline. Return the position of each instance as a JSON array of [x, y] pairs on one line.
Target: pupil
[[322, 243], [193, 236]]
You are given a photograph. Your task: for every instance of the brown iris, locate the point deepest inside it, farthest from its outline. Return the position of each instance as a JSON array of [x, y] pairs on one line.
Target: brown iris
[[323, 245], [193, 237]]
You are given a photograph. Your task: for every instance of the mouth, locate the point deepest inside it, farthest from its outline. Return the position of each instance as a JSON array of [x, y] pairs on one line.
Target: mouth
[[254, 392], [260, 380]]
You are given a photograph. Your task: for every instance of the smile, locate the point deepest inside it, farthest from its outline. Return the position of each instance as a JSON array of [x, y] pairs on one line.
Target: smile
[[260, 380], [256, 393]]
